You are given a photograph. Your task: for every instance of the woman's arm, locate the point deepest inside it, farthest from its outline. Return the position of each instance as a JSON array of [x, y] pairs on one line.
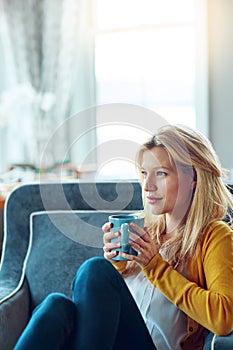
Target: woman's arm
[[207, 299]]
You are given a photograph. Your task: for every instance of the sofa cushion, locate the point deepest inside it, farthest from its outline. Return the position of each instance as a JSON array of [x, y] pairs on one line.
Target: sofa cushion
[[59, 242], [214, 342]]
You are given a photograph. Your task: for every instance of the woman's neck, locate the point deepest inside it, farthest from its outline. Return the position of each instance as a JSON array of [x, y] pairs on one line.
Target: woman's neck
[[173, 226]]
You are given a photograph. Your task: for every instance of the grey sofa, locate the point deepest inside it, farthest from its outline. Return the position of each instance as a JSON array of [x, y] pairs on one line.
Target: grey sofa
[[50, 229]]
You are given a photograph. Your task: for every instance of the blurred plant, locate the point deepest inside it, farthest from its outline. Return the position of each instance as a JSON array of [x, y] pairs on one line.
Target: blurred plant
[[23, 105], [24, 94]]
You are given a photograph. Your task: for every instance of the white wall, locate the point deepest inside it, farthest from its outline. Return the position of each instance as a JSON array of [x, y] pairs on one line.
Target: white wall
[[220, 15]]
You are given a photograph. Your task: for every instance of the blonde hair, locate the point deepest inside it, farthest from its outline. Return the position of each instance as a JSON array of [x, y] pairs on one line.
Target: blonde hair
[[211, 200]]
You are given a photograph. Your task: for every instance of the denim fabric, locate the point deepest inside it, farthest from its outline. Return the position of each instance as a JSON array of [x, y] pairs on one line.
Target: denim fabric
[[51, 325], [103, 315], [107, 315]]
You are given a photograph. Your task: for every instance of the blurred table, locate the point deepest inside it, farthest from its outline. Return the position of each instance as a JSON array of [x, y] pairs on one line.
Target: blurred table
[[5, 190], [2, 202], [18, 174]]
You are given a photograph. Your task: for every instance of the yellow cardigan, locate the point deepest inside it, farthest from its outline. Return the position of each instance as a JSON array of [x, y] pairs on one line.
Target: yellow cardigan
[[206, 297]]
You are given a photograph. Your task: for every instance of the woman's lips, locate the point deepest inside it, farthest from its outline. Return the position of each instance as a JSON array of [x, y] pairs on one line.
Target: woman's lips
[[153, 200]]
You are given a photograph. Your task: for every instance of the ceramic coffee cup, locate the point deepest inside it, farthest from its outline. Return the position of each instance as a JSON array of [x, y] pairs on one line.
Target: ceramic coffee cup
[[121, 223]]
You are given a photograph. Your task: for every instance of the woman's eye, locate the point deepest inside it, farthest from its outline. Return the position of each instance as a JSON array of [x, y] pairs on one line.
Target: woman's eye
[[162, 173], [143, 173]]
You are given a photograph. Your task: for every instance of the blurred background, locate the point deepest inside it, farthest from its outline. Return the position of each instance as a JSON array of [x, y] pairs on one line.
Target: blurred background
[[61, 61]]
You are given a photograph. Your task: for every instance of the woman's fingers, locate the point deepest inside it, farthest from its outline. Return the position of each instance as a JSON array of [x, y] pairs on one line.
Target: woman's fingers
[[111, 242], [140, 231], [143, 244], [109, 236], [110, 255], [106, 227], [142, 240], [139, 240]]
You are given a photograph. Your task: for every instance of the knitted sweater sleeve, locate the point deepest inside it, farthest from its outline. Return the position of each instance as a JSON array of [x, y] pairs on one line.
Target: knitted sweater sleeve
[[209, 303]]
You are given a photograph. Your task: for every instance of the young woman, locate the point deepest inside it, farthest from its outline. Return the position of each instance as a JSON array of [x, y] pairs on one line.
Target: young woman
[[179, 286]]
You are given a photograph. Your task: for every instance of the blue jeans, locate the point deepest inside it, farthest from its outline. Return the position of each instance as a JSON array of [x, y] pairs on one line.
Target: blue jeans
[[102, 315]]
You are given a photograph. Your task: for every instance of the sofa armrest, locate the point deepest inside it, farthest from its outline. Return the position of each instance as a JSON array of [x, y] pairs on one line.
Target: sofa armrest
[[215, 342], [14, 315]]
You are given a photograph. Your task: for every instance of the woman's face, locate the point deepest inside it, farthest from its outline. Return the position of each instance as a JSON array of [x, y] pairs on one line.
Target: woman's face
[[167, 188]]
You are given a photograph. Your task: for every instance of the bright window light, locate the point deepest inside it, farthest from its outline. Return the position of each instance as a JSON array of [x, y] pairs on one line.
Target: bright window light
[[145, 54]]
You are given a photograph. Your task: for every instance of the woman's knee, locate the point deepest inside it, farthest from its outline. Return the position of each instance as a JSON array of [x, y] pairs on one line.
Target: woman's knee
[[58, 306], [95, 265], [95, 270]]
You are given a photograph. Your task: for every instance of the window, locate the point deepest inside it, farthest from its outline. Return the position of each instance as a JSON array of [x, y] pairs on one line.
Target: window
[[146, 54]]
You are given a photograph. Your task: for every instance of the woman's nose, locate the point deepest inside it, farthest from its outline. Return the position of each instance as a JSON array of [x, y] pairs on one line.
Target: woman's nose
[[150, 185]]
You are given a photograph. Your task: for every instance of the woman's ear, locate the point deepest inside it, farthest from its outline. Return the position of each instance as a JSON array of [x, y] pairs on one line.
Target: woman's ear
[[193, 184]]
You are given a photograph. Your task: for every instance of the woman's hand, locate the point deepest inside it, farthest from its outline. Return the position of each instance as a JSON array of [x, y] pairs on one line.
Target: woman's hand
[[108, 245], [143, 244]]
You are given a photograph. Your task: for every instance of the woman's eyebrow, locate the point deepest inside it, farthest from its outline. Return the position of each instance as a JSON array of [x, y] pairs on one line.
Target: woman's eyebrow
[[158, 167]]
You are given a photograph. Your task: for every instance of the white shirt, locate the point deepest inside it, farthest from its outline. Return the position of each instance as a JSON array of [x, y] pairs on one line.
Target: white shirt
[[167, 324]]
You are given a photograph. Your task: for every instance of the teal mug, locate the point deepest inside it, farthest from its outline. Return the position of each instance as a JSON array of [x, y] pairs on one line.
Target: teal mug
[[121, 223]]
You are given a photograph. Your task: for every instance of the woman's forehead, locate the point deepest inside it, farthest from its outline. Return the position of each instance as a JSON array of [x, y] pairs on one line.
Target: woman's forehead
[[156, 157]]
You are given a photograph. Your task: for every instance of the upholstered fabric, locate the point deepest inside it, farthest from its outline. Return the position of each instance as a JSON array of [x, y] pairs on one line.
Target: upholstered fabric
[[214, 342], [61, 241], [50, 229]]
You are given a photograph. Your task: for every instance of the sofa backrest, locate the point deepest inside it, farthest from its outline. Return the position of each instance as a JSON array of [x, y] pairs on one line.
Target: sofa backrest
[[59, 242], [32, 241]]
